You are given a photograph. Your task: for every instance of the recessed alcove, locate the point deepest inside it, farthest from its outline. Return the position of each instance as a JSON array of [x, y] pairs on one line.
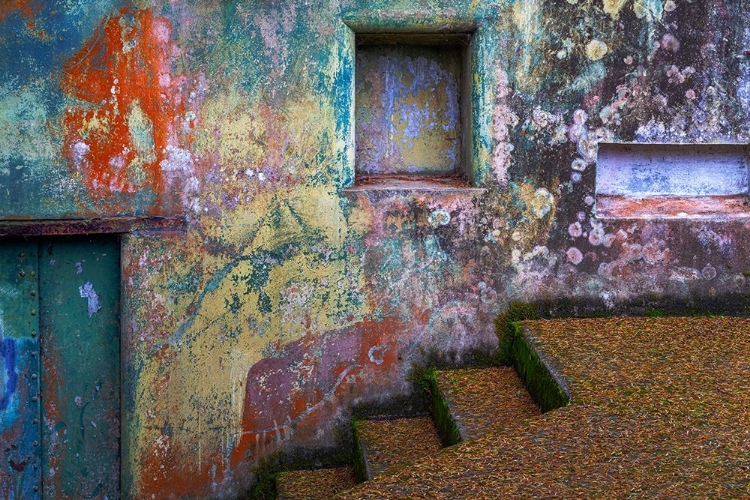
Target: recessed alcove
[[411, 110], [658, 181]]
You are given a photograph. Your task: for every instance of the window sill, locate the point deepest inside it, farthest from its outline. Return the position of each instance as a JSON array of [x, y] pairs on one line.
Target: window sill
[[412, 183], [664, 208]]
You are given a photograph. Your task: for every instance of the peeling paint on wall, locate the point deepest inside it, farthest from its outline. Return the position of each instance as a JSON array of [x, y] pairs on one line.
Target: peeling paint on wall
[[288, 300]]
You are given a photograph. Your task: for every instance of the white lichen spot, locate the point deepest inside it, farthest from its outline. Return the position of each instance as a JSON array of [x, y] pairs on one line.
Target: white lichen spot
[[613, 7], [670, 6], [87, 292], [503, 120], [596, 235], [575, 256], [709, 272], [439, 218], [670, 43], [579, 165], [515, 256], [596, 50], [177, 160], [376, 354], [80, 151], [542, 203]]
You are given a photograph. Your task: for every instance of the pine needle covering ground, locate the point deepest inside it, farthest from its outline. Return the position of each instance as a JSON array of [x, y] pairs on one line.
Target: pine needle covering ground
[[485, 399], [319, 484], [390, 444], [659, 409]]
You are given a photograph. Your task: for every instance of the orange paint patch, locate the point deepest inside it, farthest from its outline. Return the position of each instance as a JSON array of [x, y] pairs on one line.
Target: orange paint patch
[[124, 66], [170, 471], [24, 8]]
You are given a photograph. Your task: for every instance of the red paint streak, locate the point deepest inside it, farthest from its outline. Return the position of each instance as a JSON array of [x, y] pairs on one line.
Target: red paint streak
[[665, 207], [299, 392], [127, 62]]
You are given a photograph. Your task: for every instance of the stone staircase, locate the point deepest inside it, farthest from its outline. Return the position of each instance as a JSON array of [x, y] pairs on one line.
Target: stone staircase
[[467, 403], [634, 408]]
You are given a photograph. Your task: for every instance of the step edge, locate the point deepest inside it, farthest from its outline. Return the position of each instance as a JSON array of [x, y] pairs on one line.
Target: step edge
[[362, 469], [547, 384], [448, 429]]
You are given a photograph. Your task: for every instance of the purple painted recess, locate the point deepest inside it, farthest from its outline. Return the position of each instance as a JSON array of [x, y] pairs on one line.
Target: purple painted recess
[[672, 181], [408, 114]]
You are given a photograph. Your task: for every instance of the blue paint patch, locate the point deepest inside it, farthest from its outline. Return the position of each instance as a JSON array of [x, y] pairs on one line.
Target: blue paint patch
[[57, 33], [8, 353]]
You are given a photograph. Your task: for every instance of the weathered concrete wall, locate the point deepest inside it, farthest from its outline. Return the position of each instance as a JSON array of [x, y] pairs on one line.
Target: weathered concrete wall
[[287, 300]]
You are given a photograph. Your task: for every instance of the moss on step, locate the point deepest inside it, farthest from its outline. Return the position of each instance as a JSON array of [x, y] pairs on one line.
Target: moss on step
[[548, 389], [316, 484], [505, 331], [387, 445], [482, 400], [359, 463], [441, 416]]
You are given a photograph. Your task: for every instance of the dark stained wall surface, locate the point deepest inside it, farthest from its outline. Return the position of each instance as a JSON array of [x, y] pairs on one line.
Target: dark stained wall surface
[[287, 299]]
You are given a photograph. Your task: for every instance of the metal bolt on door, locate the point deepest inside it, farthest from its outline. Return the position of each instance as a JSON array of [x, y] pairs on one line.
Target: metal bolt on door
[[60, 368]]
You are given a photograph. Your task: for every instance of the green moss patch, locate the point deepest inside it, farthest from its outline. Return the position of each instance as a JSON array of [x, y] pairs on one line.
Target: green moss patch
[[505, 330], [547, 389], [441, 415]]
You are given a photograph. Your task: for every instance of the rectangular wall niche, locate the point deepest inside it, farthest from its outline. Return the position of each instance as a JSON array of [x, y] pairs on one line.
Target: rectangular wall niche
[[672, 180], [410, 106]]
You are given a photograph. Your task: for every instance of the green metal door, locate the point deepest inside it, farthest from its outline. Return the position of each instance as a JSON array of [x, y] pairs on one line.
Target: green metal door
[[20, 430], [74, 436]]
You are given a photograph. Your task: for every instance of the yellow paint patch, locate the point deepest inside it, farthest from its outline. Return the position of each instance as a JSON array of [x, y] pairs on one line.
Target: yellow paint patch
[[613, 7], [527, 16], [596, 49], [141, 132]]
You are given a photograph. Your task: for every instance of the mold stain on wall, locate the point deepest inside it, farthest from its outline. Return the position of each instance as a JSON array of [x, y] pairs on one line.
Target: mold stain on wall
[[286, 300]]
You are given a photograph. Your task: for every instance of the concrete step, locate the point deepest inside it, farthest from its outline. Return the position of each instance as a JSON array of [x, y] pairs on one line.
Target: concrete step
[[388, 445], [318, 484], [644, 407], [481, 400]]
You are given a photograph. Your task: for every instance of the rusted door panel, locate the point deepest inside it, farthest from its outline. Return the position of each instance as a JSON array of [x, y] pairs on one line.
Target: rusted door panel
[[80, 346], [20, 471]]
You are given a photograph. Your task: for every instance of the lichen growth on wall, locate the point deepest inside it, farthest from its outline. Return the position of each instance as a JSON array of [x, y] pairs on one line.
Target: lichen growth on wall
[[287, 300]]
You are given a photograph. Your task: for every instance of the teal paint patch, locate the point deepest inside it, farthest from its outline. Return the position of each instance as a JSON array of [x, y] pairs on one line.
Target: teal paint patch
[[586, 80], [79, 328]]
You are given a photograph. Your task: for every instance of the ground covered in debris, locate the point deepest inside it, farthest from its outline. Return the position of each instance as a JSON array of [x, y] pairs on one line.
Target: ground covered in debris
[[473, 397], [325, 483], [658, 408]]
